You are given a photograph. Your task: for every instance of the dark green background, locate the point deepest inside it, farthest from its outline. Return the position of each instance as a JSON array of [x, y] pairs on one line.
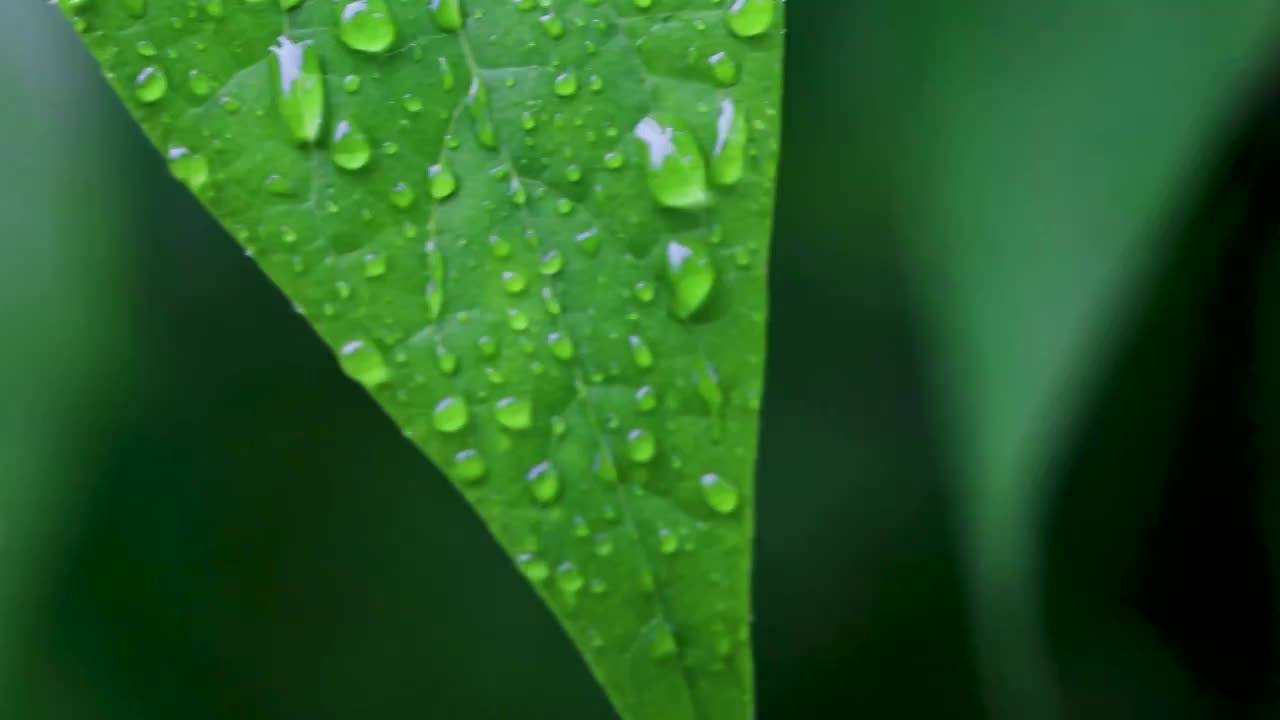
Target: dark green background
[[1019, 453]]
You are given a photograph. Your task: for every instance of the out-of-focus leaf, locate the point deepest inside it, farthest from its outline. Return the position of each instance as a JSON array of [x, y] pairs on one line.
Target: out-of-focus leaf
[[58, 205], [1057, 140]]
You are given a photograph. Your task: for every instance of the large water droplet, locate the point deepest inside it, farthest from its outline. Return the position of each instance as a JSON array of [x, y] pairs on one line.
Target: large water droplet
[[151, 85], [301, 88], [720, 494], [749, 18], [478, 109], [469, 466], [364, 363], [729, 159], [441, 181], [366, 25], [691, 275], [677, 172], [450, 414], [188, 167], [447, 14]]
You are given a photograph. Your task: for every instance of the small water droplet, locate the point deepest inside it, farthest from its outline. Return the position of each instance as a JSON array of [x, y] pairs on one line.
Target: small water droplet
[[544, 483], [641, 446], [350, 148], [533, 567], [691, 275], [569, 578], [663, 645], [750, 18], [668, 542], [561, 346], [435, 280], [640, 352], [514, 412]]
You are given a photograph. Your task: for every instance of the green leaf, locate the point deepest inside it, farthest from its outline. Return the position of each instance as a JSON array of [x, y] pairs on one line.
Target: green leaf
[[537, 233]]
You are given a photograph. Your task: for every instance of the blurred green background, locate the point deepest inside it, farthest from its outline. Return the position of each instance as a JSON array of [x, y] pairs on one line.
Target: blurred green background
[[1020, 456]]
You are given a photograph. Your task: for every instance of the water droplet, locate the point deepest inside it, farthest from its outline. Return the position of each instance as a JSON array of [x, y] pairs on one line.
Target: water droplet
[[728, 160], [663, 645], [514, 413], [366, 25], [641, 446], [544, 483], [552, 25], [566, 84], [350, 148], [640, 352], [199, 83], [401, 195], [551, 263], [446, 361], [190, 168], [447, 14], [720, 494], [514, 282], [301, 88], [646, 399], [668, 542], [691, 275], [150, 85], [478, 109], [364, 363], [214, 8], [750, 18], [708, 384], [569, 578], [441, 181], [450, 414], [136, 8], [375, 265], [435, 280], [532, 567], [447, 77], [561, 346], [677, 172], [723, 69], [469, 466]]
